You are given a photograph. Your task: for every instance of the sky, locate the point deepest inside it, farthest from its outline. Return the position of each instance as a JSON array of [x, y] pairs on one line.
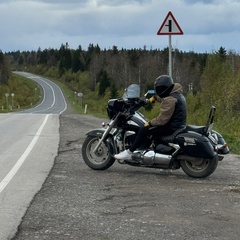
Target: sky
[[207, 25]]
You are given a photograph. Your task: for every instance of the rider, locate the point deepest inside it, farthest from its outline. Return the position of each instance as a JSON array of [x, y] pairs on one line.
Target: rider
[[172, 114]]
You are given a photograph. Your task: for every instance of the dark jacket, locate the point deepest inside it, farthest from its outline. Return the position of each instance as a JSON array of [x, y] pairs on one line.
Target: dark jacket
[[172, 110]]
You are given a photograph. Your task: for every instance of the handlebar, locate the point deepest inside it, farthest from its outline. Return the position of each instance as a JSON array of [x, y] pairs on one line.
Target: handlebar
[[136, 105], [125, 107]]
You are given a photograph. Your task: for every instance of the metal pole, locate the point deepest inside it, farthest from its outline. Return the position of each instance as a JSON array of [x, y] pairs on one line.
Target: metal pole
[[12, 100], [170, 55], [7, 95]]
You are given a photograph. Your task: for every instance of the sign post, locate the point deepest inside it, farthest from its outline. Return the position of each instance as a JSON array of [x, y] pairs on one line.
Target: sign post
[[80, 95], [170, 27]]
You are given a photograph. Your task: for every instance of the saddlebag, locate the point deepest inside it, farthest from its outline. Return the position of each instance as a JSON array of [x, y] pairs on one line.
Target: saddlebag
[[195, 145]]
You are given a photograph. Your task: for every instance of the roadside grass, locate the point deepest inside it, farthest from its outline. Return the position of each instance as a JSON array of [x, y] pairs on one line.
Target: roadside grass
[[81, 105], [20, 93]]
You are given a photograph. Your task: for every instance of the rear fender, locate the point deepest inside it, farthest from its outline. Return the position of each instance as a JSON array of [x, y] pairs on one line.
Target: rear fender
[[225, 149]]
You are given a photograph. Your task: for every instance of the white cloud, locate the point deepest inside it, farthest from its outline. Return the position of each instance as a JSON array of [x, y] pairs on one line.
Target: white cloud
[[29, 24]]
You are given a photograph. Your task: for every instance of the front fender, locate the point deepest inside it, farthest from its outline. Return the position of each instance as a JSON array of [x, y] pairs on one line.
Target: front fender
[[96, 132], [99, 133]]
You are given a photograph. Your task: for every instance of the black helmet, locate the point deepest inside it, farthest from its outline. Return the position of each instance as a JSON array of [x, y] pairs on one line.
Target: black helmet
[[163, 85]]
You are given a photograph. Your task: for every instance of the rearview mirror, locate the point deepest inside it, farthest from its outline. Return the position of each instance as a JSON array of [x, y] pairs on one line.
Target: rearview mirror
[[149, 93]]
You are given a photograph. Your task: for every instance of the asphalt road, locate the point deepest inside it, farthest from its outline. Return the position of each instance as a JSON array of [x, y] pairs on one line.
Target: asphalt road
[[29, 144], [53, 101], [125, 202]]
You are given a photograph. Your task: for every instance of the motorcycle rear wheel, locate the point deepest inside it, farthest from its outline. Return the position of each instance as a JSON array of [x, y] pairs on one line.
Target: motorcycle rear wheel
[[102, 159], [199, 168]]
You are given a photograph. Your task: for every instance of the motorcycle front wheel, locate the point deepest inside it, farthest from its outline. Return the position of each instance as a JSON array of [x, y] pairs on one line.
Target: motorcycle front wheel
[[199, 168], [100, 160]]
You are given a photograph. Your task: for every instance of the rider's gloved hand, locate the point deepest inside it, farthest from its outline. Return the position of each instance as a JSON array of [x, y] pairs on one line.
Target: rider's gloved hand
[[152, 99], [146, 124]]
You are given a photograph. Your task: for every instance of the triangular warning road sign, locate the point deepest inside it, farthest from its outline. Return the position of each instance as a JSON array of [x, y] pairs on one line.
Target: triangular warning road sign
[[170, 26]]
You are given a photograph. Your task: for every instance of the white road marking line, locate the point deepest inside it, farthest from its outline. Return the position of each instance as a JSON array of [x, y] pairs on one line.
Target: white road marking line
[[21, 160]]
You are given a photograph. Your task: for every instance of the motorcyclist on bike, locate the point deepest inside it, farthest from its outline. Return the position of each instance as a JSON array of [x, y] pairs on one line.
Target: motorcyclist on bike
[[172, 114]]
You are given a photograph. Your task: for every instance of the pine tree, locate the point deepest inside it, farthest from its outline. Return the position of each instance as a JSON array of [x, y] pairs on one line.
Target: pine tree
[[104, 82], [4, 69], [114, 91]]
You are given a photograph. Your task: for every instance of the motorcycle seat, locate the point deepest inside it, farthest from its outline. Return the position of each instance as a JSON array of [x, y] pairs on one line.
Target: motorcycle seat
[[195, 128], [170, 138]]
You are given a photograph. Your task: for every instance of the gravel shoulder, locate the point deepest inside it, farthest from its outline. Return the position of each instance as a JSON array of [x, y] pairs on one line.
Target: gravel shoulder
[[127, 202]]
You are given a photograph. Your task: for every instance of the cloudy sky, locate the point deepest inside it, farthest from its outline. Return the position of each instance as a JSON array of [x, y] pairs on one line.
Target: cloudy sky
[[30, 24]]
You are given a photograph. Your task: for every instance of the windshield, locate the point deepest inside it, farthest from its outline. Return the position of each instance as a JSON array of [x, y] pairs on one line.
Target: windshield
[[133, 91]]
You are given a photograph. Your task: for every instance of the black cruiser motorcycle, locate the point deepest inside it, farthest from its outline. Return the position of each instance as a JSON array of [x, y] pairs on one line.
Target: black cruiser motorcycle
[[195, 149]]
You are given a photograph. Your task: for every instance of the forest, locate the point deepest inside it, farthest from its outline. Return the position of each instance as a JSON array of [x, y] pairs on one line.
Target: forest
[[100, 74]]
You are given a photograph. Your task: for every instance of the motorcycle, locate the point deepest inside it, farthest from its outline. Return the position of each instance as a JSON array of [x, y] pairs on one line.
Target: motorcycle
[[195, 149]]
